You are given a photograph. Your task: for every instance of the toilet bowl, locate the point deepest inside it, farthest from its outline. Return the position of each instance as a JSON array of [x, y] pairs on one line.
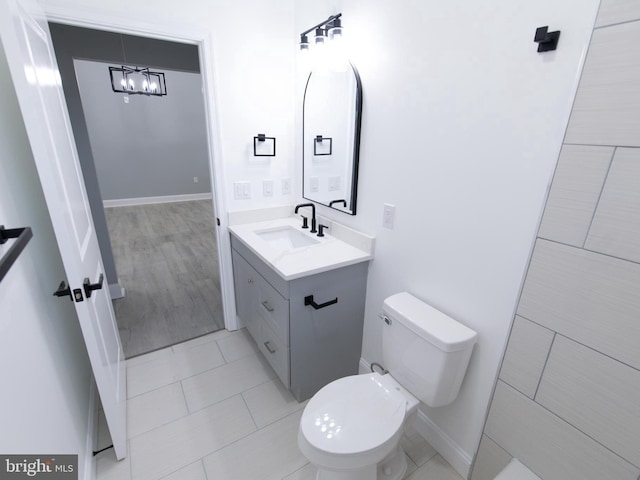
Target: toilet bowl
[[355, 424], [351, 428]]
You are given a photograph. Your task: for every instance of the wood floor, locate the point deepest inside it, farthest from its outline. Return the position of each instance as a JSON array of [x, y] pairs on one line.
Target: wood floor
[[166, 258]]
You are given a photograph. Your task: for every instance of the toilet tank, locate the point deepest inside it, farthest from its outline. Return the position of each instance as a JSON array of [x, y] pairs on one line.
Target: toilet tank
[[426, 351]]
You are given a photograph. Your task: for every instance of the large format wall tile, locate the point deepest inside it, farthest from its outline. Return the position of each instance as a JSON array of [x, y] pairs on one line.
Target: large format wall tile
[[617, 11], [526, 355], [616, 224], [606, 110], [597, 394], [574, 194], [547, 445], [586, 296], [490, 461]]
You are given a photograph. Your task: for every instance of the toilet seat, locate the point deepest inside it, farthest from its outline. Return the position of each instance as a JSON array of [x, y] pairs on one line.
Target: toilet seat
[[357, 417]]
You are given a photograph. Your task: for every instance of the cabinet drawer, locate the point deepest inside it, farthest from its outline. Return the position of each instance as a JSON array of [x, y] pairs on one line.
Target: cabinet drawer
[[274, 310], [276, 353]]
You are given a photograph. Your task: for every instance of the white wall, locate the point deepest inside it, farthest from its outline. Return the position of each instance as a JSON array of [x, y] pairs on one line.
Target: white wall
[[462, 126], [254, 75], [150, 146], [45, 374]]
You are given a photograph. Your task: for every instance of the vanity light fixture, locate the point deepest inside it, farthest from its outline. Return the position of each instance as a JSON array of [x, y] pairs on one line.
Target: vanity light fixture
[[137, 81], [330, 29]]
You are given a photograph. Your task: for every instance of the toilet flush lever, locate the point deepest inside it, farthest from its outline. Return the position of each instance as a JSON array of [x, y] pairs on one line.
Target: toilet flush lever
[[386, 319]]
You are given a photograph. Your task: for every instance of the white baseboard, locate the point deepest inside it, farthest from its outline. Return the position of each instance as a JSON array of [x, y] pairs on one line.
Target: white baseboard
[[116, 291], [92, 420], [444, 445], [127, 202]]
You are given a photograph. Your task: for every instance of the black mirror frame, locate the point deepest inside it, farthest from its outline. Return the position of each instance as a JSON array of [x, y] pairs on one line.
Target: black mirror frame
[[356, 145]]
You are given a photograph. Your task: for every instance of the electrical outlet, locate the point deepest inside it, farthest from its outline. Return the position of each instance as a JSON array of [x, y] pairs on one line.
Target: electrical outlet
[[388, 215], [195, 179]]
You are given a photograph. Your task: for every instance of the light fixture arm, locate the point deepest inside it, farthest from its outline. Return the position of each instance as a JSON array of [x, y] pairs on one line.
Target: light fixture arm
[[321, 24]]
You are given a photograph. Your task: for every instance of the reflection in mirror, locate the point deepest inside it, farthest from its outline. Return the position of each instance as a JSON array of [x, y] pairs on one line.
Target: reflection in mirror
[[332, 113]]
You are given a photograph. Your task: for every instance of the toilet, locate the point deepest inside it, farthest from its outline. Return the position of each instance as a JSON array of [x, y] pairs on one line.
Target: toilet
[[351, 428]]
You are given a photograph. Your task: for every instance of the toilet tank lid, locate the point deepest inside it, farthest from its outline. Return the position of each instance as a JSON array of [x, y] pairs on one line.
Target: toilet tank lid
[[429, 323]]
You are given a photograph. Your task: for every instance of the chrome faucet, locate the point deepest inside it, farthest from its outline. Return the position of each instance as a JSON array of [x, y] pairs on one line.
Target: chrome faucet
[[313, 215]]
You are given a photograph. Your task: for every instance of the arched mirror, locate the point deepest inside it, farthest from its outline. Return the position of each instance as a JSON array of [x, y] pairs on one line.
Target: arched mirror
[[332, 113]]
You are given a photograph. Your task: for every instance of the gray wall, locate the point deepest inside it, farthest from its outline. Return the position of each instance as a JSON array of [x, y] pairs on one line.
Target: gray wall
[[75, 42], [567, 402], [150, 146]]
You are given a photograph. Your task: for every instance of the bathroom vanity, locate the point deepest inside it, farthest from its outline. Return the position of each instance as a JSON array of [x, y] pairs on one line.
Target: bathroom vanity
[[301, 300]]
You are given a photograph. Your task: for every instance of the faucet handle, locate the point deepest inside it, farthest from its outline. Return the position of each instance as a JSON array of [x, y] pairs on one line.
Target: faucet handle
[[321, 230], [305, 224]]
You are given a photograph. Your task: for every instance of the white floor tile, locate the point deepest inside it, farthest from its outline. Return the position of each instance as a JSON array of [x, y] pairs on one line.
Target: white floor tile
[[435, 469], [416, 447], [237, 345], [153, 409], [270, 402], [195, 471], [212, 337], [308, 472], [226, 381], [269, 454], [168, 448], [148, 357], [411, 467], [166, 369]]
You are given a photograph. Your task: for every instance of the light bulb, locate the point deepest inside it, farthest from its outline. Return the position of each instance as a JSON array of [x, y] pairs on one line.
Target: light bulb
[[320, 36]]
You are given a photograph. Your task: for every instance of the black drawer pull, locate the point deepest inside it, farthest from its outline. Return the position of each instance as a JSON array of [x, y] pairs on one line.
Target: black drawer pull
[[308, 300]]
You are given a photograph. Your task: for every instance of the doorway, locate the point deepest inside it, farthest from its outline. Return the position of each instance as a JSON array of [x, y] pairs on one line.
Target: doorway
[[171, 293]]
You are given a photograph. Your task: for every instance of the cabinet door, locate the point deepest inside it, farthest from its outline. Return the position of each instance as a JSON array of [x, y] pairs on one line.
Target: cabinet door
[[245, 282], [274, 309], [276, 353]]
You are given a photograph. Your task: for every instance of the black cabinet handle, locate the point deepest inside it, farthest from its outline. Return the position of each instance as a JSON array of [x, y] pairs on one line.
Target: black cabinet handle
[[308, 300], [90, 287]]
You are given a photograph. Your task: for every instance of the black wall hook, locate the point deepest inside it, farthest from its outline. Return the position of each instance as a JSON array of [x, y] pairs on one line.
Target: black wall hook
[[546, 40]]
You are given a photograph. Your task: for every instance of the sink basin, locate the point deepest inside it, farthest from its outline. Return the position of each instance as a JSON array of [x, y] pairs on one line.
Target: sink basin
[[286, 238]]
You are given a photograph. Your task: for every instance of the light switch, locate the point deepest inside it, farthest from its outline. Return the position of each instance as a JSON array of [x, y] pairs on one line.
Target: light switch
[[334, 184], [314, 184], [242, 190], [267, 188], [286, 186]]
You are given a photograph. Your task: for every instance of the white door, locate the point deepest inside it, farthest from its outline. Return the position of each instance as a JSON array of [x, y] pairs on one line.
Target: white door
[[27, 43]]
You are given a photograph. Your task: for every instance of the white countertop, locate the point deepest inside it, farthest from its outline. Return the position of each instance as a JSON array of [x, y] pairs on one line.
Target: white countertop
[[329, 253]]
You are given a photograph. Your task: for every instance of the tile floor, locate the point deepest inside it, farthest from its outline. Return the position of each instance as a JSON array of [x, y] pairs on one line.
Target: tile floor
[[212, 409]]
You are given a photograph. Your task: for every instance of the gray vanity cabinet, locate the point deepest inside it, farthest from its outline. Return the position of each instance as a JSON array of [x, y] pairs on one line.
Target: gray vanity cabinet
[[306, 347]]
